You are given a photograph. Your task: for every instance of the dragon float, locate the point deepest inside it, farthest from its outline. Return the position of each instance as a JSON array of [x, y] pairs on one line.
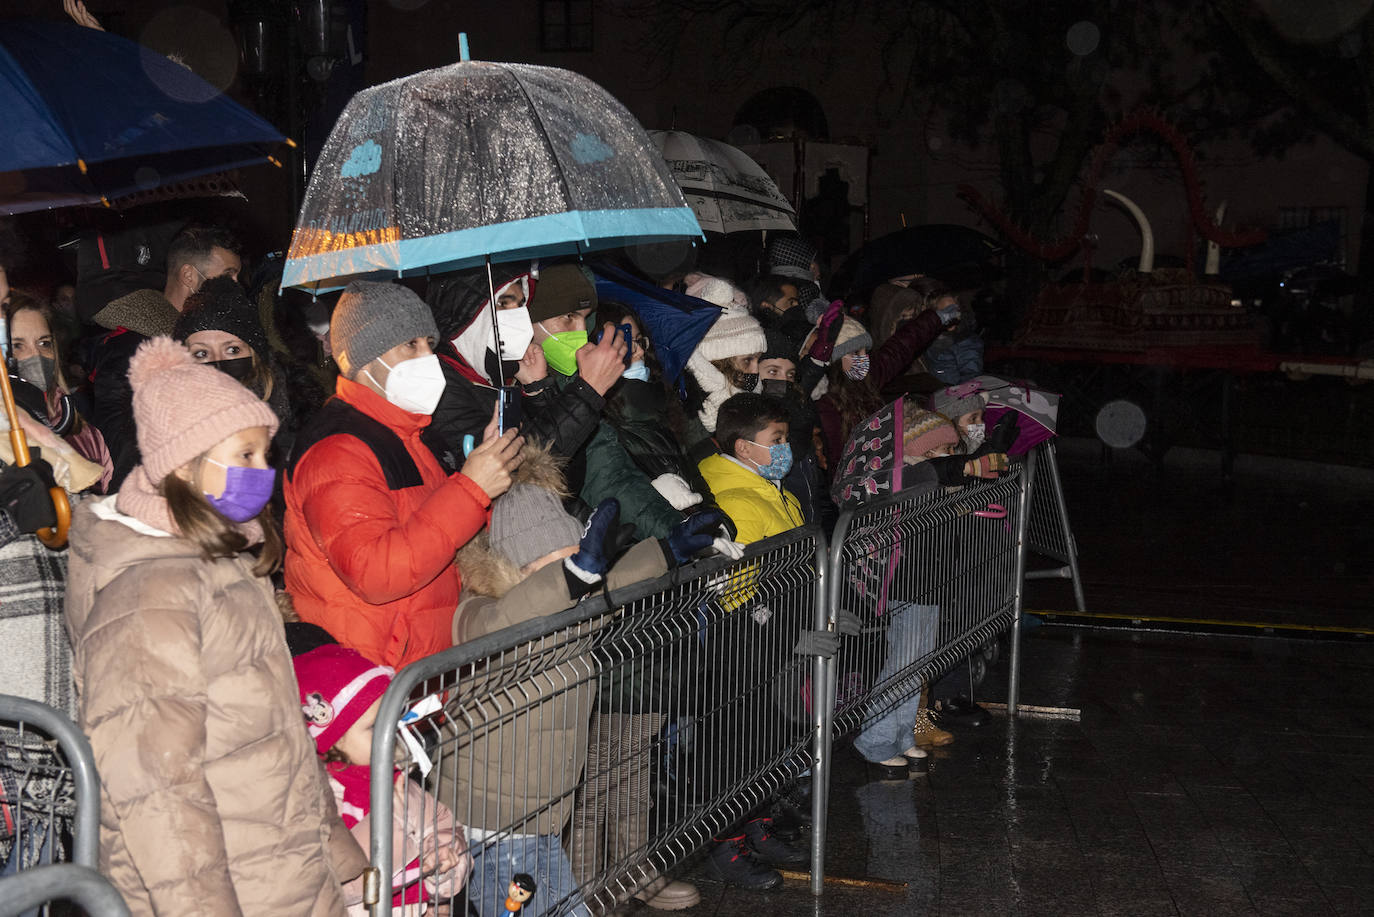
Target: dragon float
[[1146, 307]]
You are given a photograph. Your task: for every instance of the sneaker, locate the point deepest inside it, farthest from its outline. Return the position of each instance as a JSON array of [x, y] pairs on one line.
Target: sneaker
[[732, 862], [788, 821], [665, 894], [770, 848], [915, 753], [927, 734]]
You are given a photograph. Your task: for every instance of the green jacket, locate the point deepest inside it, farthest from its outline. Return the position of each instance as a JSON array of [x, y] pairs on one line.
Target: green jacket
[[607, 470]]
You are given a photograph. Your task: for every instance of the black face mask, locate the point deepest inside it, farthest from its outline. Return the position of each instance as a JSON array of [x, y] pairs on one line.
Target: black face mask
[[777, 388], [239, 368], [748, 382]]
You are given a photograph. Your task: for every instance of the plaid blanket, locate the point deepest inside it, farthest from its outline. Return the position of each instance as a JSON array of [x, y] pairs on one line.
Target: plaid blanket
[[37, 658]]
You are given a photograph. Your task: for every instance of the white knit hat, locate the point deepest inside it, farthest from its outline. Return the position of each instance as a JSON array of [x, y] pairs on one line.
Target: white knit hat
[[735, 333]]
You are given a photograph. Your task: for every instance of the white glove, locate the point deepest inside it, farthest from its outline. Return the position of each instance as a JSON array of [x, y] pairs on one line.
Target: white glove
[[727, 548], [674, 489]]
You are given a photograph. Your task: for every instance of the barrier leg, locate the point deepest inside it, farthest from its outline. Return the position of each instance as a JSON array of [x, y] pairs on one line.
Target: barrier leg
[[1062, 508], [1022, 548]]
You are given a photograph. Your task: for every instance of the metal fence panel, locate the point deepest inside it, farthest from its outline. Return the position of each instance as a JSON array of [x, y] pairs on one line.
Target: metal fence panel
[[49, 791], [931, 578], [596, 748], [43, 885]]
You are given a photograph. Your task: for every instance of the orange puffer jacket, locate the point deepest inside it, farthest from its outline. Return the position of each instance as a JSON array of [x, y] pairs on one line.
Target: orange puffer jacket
[[371, 565]]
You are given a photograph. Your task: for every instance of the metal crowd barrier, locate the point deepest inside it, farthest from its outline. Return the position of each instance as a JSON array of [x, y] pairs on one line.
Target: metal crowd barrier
[[49, 792], [596, 748], [1050, 534], [43, 885]]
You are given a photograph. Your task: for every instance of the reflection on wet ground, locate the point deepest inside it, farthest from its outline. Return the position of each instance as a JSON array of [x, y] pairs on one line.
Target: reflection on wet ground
[[1208, 775]]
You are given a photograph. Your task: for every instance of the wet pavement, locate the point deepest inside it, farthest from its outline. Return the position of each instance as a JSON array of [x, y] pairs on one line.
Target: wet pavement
[[1283, 542], [1208, 775]]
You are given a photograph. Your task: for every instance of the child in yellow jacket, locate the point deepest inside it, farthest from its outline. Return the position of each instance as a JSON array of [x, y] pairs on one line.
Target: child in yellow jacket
[[746, 475]]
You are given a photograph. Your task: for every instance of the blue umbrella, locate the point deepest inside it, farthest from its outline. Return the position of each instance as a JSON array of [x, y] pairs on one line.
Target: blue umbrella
[[450, 167], [675, 322], [91, 116]]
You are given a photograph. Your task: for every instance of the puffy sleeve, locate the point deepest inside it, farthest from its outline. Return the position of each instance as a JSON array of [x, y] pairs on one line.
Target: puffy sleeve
[[144, 708], [352, 516]]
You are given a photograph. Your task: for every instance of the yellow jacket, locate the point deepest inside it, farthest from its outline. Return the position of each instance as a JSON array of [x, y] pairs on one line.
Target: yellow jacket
[[758, 507]]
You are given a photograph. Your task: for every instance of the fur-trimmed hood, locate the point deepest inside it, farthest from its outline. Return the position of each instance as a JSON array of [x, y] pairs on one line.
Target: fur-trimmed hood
[[145, 311], [486, 572]]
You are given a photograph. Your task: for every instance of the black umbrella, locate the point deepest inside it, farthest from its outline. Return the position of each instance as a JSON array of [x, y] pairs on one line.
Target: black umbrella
[[936, 249]]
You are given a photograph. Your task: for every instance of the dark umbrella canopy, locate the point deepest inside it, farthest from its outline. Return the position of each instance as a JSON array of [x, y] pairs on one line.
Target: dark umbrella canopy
[[437, 171], [91, 116], [675, 322], [934, 249]]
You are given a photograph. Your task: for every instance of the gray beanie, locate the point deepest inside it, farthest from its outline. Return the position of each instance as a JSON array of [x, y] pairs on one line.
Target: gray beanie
[[371, 318], [957, 400], [528, 522]]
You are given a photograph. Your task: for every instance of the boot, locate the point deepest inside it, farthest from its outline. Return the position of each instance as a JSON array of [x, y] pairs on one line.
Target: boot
[[927, 734], [770, 848], [731, 861]]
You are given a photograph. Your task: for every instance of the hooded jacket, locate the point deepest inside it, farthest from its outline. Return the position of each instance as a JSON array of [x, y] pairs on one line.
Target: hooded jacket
[[130, 320], [759, 508], [372, 565], [563, 419], [521, 765], [212, 799]]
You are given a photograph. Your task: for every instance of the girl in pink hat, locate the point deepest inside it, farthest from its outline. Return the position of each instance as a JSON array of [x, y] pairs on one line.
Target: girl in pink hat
[[212, 800]]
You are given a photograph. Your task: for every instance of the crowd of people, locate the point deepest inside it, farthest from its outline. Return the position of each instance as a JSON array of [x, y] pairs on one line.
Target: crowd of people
[[368, 475]]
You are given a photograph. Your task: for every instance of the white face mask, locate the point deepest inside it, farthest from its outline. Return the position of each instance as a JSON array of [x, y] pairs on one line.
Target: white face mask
[[975, 434], [517, 332], [414, 385]]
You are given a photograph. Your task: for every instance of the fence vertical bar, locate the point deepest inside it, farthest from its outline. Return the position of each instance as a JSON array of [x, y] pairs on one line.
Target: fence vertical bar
[[81, 760], [1062, 508], [1022, 549], [822, 675], [384, 749]]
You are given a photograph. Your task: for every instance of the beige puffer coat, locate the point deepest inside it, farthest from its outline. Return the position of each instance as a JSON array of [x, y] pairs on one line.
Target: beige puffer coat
[[212, 799]]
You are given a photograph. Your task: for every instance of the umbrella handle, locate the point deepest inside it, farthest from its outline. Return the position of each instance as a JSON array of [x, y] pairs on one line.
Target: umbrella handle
[[52, 537], [56, 537]]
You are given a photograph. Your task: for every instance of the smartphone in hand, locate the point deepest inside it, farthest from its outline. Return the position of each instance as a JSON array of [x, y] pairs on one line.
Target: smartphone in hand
[[508, 410]]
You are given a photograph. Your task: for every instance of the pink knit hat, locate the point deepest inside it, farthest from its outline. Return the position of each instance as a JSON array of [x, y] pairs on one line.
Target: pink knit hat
[[183, 408], [923, 431], [337, 686]]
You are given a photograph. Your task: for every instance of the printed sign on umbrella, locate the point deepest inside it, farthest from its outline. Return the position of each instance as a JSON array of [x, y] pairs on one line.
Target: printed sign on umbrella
[[451, 167], [726, 189]]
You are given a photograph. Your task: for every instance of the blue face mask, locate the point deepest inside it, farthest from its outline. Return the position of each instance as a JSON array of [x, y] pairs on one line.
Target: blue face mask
[[779, 461], [638, 370], [858, 369], [246, 491]]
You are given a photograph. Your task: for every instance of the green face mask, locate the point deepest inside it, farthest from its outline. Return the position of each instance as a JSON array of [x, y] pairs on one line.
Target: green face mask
[[561, 350]]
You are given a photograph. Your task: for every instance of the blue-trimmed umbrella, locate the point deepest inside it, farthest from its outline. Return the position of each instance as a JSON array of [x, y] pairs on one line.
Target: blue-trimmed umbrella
[[450, 167], [675, 322], [90, 117]]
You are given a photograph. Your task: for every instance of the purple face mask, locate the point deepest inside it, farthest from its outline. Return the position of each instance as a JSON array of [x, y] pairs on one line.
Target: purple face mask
[[246, 491]]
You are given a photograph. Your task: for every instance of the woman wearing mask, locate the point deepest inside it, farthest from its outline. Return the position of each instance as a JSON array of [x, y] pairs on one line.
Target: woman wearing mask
[[36, 358], [854, 378], [220, 327], [725, 362], [214, 800]]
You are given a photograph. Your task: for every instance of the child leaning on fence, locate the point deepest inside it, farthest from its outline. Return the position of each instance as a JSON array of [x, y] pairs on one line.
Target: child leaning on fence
[[340, 692], [514, 768], [900, 449], [212, 799]]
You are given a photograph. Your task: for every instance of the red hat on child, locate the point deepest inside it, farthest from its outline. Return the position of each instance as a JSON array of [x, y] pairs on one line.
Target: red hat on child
[[337, 686]]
